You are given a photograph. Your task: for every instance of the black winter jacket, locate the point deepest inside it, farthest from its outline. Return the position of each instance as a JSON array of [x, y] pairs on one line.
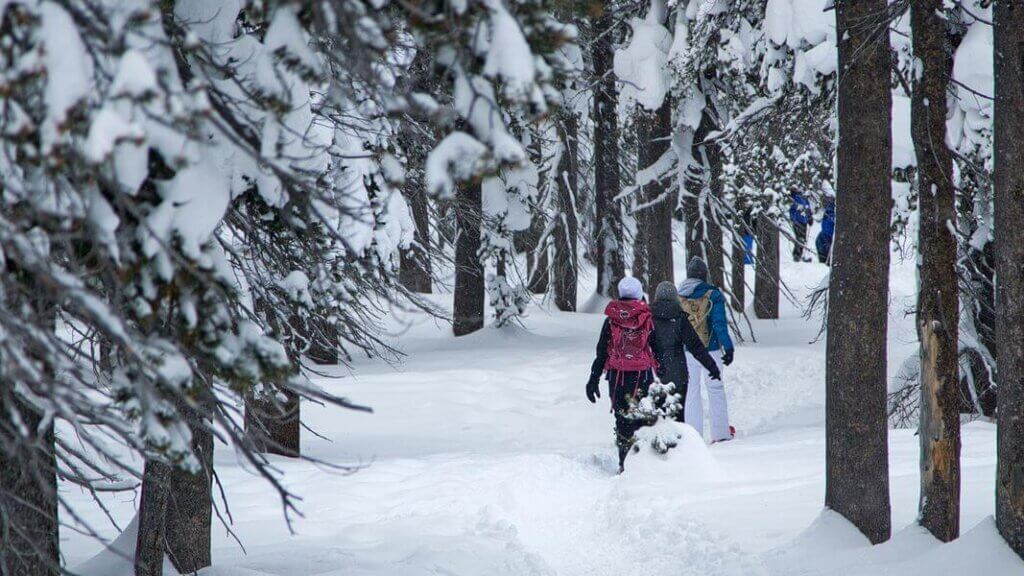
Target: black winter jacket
[[673, 333]]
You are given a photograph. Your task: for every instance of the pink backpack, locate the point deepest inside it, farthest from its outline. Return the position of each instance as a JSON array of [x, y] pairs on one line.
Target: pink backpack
[[631, 325]]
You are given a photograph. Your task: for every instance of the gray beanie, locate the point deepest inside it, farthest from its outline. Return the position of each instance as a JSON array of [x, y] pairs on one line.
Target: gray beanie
[[665, 291], [697, 269]]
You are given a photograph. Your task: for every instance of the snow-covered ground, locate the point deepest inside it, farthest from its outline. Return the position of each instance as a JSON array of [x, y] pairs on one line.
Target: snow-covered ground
[[483, 457]]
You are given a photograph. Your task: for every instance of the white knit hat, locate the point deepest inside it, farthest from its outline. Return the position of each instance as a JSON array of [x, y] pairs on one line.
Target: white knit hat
[[631, 288]]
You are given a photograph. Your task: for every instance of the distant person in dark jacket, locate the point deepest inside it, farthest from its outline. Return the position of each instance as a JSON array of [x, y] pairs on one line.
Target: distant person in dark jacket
[[823, 242], [673, 337], [705, 307], [625, 355], [802, 216]]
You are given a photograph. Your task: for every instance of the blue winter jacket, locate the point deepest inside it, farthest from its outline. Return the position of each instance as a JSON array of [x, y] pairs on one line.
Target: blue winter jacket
[[800, 210], [828, 222], [719, 321]]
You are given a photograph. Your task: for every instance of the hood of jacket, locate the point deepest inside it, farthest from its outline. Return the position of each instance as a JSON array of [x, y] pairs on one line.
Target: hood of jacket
[[630, 314], [666, 309], [693, 288]]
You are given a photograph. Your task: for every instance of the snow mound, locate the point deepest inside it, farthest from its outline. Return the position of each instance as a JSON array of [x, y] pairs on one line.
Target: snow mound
[[674, 451]]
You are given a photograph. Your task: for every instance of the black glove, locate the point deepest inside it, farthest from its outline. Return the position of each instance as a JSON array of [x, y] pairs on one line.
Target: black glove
[[716, 375], [593, 391], [727, 357]]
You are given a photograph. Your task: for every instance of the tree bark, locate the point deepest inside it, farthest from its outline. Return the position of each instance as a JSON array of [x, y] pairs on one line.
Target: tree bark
[[415, 270], [659, 201], [1008, 18], [151, 539], [713, 244], [190, 503], [607, 185], [937, 305], [468, 305], [856, 451], [567, 228], [28, 491], [766, 272], [273, 422], [323, 348], [739, 271]]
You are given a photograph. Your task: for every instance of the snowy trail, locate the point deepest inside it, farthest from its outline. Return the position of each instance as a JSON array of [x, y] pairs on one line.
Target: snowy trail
[[484, 457]]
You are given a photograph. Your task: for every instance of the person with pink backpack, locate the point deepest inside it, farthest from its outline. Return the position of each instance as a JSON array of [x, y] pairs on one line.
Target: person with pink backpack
[[624, 353]]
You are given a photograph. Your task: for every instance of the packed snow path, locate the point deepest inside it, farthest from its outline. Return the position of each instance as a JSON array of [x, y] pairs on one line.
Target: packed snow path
[[483, 457]]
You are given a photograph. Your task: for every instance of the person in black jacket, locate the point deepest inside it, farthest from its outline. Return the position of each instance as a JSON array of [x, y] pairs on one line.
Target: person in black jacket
[[672, 335], [628, 377]]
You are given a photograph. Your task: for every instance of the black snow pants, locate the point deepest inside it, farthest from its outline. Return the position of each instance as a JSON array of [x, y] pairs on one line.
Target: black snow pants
[[625, 390]]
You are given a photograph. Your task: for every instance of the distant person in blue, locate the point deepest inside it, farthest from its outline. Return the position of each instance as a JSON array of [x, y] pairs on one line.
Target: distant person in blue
[[748, 236], [802, 216], [823, 242], [704, 305]]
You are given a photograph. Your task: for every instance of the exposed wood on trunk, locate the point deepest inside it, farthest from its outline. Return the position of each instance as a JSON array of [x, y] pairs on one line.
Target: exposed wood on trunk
[[1008, 17], [938, 310], [856, 430], [468, 306], [766, 271]]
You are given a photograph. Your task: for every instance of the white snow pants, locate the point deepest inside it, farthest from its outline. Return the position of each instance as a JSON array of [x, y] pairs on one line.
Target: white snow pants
[[694, 410]]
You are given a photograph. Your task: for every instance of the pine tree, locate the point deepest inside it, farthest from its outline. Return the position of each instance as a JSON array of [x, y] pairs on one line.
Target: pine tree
[[857, 466], [938, 310], [1008, 19]]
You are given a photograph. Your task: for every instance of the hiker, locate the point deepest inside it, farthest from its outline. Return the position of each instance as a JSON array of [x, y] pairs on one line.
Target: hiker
[[705, 307], [823, 242], [624, 353], [673, 337], [801, 215]]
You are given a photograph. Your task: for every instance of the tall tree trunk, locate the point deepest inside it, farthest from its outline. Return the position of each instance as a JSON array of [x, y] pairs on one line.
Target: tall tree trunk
[[766, 271], [29, 522], [1008, 17], [272, 421], [739, 270], [323, 347], [856, 451], [608, 212], [189, 512], [567, 228], [713, 246], [468, 305], [654, 130], [937, 304], [28, 491], [415, 270], [151, 539]]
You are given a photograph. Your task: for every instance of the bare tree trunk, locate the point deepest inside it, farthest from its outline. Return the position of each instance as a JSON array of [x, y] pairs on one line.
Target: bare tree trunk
[[1008, 17], [468, 306], [415, 271], [856, 449], [567, 228], [937, 306], [323, 347], [151, 539], [713, 245], [739, 270], [655, 220], [766, 271], [272, 421], [190, 503], [29, 522], [28, 490], [608, 212]]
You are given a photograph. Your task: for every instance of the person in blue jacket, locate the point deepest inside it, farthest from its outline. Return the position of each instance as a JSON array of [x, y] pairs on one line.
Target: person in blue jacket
[[705, 306], [823, 242], [802, 216]]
